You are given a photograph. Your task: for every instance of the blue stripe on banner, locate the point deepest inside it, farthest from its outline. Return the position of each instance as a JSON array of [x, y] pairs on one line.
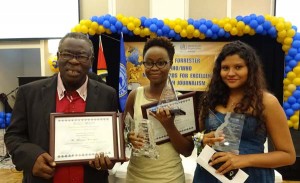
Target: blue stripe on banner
[[122, 76]]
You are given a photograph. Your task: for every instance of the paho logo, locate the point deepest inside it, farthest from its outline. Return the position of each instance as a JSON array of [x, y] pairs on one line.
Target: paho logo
[[122, 81]]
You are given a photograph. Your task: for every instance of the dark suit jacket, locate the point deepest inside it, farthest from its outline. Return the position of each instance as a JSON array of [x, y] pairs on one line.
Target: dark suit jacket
[[28, 135]]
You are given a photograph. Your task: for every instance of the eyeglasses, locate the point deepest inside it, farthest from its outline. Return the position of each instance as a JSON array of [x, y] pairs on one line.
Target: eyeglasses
[[69, 56], [160, 64]]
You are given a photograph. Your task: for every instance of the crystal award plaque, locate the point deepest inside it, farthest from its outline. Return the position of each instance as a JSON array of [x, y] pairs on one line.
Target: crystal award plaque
[[145, 130], [168, 96]]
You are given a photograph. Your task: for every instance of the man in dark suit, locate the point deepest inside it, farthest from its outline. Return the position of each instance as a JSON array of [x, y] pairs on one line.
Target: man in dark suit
[[27, 138]]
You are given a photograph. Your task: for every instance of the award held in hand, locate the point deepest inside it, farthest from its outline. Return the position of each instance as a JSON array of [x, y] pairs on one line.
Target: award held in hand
[[77, 137], [231, 129], [182, 107]]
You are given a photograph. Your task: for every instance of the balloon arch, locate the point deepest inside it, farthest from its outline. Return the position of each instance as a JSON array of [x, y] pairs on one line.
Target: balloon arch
[[276, 27]]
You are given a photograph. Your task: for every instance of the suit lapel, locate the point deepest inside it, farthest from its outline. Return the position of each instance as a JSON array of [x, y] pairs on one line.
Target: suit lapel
[[92, 96]]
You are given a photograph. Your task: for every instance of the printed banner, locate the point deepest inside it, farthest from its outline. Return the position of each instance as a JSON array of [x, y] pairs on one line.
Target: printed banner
[[192, 65]]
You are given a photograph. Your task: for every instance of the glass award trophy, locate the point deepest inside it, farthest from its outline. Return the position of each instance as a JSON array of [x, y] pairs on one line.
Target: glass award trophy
[[145, 130], [169, 98], [231, 129]]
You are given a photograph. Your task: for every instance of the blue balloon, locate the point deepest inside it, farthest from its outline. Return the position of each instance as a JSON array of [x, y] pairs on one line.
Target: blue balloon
[[294, 27], [106, 24], [2, 120], [2, 125], [125, 30], [296, 106], [208, 23], [246, 19], [153, 28], [289, 112], [227, 35], [159, 24], [259, 29], [130, 33], [292, 63], [239, 18], [107, 17], [202, 21], [253, 16], [2, 115], [272, 31], [113, 20], [172, 34], [190, 21], [286, 105], [221, 32], [208, 33], [267, 25], [253, 24], [147, 23], [166, 29], [260, 19], [143, 18], [154, 20], [196, 24], [292, 52], [296, 44], [214, 36], [288, 58], [287, 69], [297, 36], [296, 94], [177, 37], [297, 57], [159, 32], [100, 20], [118, 25], [113, 29], [94, 18], [203, 28], [291, 100], [215, 28]]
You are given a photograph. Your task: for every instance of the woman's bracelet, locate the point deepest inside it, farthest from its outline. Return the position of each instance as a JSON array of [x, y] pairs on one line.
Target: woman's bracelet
[[198, 141]]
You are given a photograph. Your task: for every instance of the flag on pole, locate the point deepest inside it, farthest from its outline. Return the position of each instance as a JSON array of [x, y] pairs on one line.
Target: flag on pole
[[122, 76], [101, 64]]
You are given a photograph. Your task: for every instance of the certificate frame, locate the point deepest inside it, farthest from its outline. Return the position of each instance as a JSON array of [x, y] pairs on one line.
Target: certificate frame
[[194, 126], [72, 133]]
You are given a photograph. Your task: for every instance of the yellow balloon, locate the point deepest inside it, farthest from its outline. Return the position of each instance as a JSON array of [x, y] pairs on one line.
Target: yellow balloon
[[286, 93], [286, 81], [77, 28], [296, 81], [294, 118], [88, 23], [92, 32], [296, 70], [282, 34], [285, 47], [101, 29], [196, 33], [130, 26], [227, 27], [190, 29], [291, 76], [177, 28], [202, 36], [183, 24], [291, 33], [291, 87], [183, 33], [172, 24], [233, 21], [125, 21], [234, 31], [84, 29], [279, 26], [221, 23], [252, 32], [82, 22], [240, 25], [247, 29], [119, 17], [274, 21], [137, 31], [52, 61], [137, 22], [94, 25], [147, 31], [288, 40], [166, 21]]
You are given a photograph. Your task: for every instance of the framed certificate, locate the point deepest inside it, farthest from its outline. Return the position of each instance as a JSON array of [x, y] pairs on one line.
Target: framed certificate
[[186, 122], [121, 141], [77, 137]]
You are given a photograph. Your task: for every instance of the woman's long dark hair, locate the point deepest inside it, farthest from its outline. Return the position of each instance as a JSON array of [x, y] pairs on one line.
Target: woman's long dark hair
[[218, 91]]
